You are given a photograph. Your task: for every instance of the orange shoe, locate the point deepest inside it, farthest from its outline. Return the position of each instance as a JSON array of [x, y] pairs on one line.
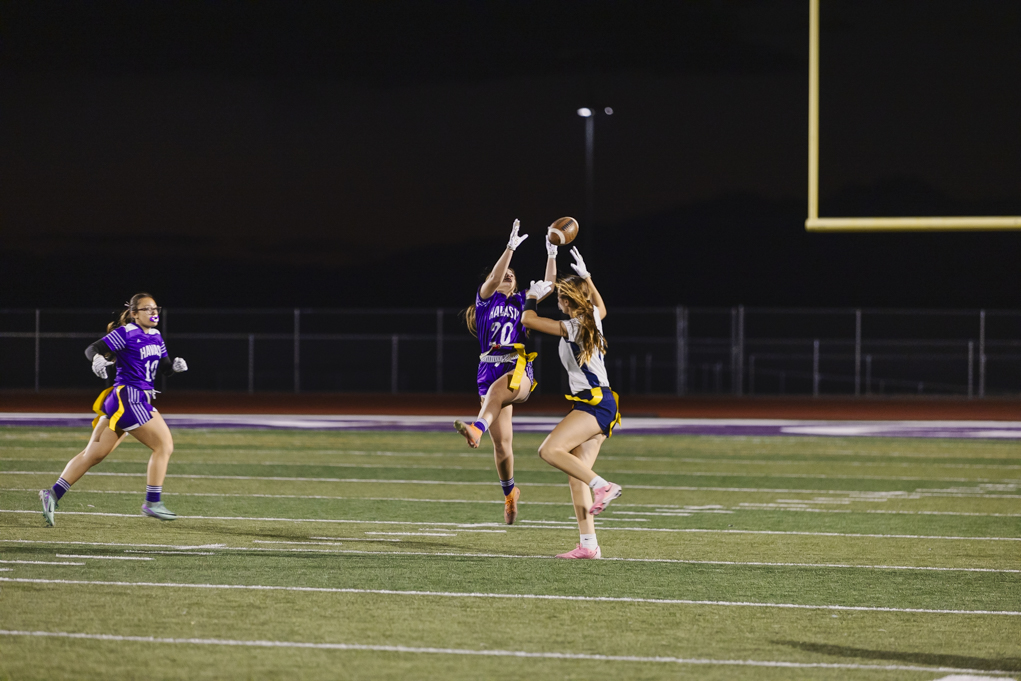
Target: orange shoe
[[470, 432], [510, 506]]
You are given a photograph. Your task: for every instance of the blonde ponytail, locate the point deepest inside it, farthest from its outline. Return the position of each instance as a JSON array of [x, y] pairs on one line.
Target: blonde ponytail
[[575, 291]]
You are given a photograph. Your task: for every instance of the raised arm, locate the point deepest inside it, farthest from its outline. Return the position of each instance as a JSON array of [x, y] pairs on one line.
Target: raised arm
[[551, 264], [579, 267], [531, 320], [492, 282]]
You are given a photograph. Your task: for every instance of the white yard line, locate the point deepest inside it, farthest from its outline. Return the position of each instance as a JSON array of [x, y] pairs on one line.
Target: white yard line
[[415, 534], [656, 459], [695, 474], [539, 525], [353, 539], [664, 509], [71, 555], [314, 543], [537, 597], [223, 548], [518, 654], [560, 485], [38, 562], [175, 553]]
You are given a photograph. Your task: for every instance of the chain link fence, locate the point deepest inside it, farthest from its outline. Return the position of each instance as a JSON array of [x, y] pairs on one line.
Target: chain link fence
[[677, 350]]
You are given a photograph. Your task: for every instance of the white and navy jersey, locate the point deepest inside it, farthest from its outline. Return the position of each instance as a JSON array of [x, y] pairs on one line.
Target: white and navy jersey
[[583, 377], [138, 355]]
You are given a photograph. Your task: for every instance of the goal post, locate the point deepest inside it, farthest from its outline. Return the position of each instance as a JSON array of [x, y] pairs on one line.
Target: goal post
[[814, 223]]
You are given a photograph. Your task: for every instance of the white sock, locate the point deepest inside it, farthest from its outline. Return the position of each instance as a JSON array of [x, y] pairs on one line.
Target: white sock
[[588, 541], [598, 482]]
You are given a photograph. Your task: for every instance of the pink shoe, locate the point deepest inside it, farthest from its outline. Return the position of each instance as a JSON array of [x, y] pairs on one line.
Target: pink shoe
[[580, 552], [602, 496]]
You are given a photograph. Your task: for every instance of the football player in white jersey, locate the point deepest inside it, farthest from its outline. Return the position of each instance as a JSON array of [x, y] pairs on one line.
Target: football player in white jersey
[[574, 444]]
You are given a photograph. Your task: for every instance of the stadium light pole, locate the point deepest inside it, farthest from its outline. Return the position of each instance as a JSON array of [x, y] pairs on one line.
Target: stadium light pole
[[590, 143]]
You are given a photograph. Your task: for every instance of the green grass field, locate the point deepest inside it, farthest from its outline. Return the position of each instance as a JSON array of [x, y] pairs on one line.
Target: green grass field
[[332, 555]]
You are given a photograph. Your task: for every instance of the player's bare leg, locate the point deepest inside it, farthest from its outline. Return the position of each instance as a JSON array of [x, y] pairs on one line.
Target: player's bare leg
[[101, 443], [581, 497], [502, 433], [497, 397], [576, 428], [155, 435]]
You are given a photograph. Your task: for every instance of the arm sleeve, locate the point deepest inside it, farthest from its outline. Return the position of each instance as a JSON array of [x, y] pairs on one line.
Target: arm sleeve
[[98, 348], [166, 366]]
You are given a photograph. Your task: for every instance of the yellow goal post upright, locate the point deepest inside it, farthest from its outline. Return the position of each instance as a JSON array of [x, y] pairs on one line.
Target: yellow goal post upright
[[814, 223]]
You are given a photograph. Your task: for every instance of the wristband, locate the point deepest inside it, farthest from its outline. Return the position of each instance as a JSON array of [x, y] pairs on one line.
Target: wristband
[[530, 304]]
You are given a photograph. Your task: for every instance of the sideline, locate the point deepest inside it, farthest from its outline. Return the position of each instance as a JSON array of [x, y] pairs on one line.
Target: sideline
[[996, 430]]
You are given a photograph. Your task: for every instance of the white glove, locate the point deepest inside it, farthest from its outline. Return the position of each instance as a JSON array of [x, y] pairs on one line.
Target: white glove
[[99, 365], [539, 289], [579, 264], [515, 240], [551, 249], [180, 365]]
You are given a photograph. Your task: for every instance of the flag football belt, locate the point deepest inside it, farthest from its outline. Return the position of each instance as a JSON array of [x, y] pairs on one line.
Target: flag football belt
[[497, 359], [98, 405], [519, 355]]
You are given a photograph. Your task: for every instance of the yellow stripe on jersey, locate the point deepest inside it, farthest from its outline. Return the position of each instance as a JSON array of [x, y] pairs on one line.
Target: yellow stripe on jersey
[[97, 406], [120, 410]]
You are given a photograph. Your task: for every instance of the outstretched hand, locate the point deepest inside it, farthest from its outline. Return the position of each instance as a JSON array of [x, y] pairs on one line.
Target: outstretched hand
[[180, 365], [99, 365], [539, 289], [579, 264], [515, 240], [551, 248]]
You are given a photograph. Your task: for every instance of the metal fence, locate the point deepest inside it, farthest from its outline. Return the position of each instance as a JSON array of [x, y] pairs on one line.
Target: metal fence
[[678, 350]]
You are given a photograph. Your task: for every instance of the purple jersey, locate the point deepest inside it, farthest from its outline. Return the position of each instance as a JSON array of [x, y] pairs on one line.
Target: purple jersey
[[498, 319], [138, 355]]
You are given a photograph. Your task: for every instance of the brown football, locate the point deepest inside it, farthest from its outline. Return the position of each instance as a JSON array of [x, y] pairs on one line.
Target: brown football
[[563, 231]]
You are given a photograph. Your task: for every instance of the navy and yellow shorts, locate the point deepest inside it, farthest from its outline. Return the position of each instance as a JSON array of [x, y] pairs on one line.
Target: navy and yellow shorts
[[602, 403]]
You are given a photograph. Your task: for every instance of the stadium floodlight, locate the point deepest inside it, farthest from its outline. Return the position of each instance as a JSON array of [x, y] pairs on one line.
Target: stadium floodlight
[[584, 112], [814, 223]]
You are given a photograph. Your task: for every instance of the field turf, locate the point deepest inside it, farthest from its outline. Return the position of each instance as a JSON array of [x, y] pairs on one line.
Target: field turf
[[358, 555]]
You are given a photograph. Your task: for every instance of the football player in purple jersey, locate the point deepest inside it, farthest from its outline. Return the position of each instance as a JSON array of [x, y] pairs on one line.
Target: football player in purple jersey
[[127, 407], [505, 373], [108, 379]]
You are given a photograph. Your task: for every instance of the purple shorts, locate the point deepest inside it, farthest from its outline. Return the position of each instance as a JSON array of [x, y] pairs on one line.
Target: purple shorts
[[127, 408], [488, 373]]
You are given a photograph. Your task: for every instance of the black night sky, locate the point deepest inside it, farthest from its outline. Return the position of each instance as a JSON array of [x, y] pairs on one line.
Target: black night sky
[[375, 153]]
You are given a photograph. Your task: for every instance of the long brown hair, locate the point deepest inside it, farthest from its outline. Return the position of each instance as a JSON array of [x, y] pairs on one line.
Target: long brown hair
[[129, 307], [468, 313], [575, 292]]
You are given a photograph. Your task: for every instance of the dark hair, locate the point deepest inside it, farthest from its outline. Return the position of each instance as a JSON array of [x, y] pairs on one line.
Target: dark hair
[[130, 306], [575, 291]]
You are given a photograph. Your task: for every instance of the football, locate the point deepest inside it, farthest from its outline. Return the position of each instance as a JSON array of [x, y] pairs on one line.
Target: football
[[563, 231]]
